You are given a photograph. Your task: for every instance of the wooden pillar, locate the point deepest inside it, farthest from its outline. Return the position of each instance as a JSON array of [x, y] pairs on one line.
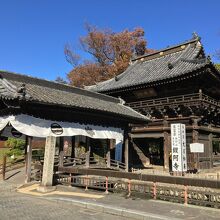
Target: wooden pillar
[[166, 146], [73, 147], [88, 152], [166, 150], [4, 166], [28, 160], [126, 151], [195, 136], [47, 179], [61, 152], [195, 139], [25, 154], [108, 154], [211, 149]]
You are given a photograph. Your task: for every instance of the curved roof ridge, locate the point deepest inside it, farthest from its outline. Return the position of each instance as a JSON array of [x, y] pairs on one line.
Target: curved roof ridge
[[43, 82], [192, 40], [182, 60]]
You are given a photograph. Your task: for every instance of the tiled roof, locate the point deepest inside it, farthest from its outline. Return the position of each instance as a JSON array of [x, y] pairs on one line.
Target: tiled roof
[[30, 89], [159, 66]]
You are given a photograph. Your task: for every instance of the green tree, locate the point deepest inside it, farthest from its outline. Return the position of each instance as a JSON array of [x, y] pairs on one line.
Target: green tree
[[217, 65], [16, 146]]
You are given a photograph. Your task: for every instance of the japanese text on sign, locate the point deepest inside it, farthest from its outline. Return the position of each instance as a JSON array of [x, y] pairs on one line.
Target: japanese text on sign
[[178, 141]]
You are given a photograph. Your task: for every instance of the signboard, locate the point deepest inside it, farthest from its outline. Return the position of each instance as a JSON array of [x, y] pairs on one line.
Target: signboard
[[197, 148], [178, 141]]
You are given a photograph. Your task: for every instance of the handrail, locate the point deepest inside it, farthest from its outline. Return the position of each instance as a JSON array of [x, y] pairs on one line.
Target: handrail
[[94, 161], [174, 99]]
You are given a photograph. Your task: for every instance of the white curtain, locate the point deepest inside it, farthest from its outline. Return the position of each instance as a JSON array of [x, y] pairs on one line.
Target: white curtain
[[37, 127]]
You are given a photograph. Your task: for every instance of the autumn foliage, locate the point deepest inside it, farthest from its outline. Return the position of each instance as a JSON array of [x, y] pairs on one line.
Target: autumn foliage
[[111, 53]]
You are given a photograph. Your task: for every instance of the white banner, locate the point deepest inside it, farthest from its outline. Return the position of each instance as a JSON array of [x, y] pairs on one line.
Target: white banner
[[37, 127], [178, 141]]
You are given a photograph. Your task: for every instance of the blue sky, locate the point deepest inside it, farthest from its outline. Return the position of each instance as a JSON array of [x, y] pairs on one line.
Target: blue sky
[[33, 32]]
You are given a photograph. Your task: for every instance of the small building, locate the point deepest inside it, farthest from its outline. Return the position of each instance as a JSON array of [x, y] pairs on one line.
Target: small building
[[33, 107], [178, 84]]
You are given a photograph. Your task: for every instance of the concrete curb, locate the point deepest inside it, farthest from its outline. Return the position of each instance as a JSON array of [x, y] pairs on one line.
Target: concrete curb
[[108, 209]]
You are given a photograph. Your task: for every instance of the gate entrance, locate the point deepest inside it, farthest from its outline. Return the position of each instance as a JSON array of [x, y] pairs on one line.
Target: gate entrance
[[149, 151]]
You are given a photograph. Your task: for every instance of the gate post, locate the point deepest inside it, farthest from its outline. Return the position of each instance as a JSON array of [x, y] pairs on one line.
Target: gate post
[[47, 179]]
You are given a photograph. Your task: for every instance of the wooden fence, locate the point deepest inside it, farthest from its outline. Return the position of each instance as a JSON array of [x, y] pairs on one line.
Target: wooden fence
[[12, 165]]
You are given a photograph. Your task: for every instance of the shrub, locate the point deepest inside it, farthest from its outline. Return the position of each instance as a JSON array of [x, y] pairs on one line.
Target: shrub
[[16, 146]]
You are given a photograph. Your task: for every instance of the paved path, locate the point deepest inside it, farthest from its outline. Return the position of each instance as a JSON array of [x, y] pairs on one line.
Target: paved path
[[17, 206], [75, 203], [16, 176]]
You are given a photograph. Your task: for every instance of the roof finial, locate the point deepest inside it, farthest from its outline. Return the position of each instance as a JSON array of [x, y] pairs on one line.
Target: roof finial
[[209, 59], [195, 36], [170, 65], [21, 91], [122, 101]]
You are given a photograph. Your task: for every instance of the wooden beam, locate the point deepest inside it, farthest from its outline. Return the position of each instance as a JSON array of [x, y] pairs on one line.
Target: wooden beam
[[188, 127], [147, 135]]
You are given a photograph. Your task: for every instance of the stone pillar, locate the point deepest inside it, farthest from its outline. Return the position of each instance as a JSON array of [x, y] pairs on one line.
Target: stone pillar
[[47, 179], [87, 152], [28, 159], [166, 151]]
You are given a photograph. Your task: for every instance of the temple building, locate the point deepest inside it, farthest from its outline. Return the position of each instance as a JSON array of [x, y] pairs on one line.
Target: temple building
[[178, 84], [35, 108]]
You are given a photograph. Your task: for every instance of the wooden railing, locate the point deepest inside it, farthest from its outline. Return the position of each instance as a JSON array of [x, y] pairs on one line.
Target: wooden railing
[[173, 100], [117, 164], [10, 165], [73, 161], [146, 189], [188, 190], [94, 162]]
